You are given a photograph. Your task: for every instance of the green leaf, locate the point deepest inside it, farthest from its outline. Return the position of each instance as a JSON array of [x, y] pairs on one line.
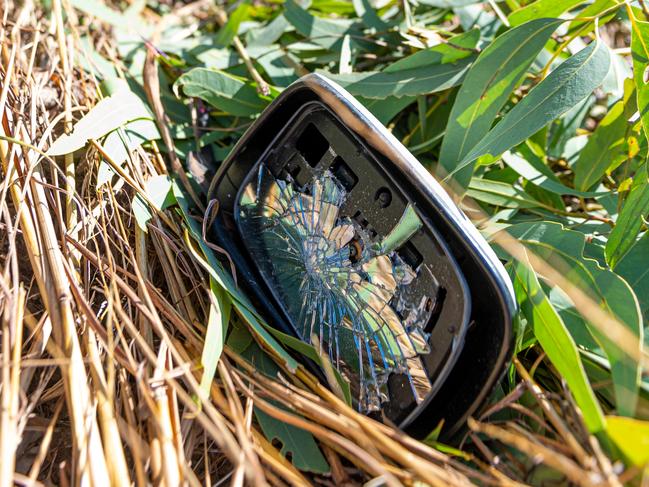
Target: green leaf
[[634, 269], [594, 10], [126, 20], [541, 8], [606, 145], [269, 34], [304, 451], [488, 85], [371, 19], [345, 63], [277, 64], [222, 90], [564, 250], [631, 436], [640, 56], [231, 28], [630, 220], [457, 47], [159, 194], [217, 327], [107, 115], [121, 142], [566, 86], [409, 82], [385, 109], [536, 172], [449, 3], [327, 33], [557, 343], [305, 454], [93, 62], [497, 193]]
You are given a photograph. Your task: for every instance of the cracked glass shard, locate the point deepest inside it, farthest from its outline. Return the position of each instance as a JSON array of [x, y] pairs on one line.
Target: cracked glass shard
[[339, 284]]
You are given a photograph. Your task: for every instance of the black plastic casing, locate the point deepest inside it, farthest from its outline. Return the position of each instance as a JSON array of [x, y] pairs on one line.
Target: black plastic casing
[[478, 349]]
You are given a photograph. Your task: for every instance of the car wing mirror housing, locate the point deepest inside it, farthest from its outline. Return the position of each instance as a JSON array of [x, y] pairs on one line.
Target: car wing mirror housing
[[342, 239]]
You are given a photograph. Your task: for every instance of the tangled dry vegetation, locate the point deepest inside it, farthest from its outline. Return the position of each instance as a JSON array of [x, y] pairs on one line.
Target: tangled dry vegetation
[[103, 326]]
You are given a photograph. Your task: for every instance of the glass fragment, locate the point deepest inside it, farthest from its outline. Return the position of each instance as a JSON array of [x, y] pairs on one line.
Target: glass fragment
[[338, 283]]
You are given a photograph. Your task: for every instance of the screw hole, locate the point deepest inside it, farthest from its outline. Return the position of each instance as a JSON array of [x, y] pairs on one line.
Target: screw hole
[[383, 197]]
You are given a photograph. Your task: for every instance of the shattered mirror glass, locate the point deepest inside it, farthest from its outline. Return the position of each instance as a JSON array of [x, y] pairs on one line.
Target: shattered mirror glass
[[341, 287]]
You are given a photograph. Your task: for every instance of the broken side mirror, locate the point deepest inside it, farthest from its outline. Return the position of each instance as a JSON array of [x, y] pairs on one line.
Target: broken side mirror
[[342, 239]]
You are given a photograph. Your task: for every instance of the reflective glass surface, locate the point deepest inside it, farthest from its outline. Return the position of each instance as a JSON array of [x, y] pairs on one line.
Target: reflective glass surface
[[342, 288]]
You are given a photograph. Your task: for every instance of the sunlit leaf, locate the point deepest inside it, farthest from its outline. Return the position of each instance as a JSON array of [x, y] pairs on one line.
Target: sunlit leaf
[[365, 11], [230, 29], [631, 436], [564, 250], [120, 142], [500, 194], [217, 326], [541, 8], [409, 82], [566, 86], [640, 56], [606, 145], [223, 91], [630, 219], [158, 194], [539, 174], [557, 344], [327, 33], [634, 269], [488, 85], [107, 115], [304, 451]]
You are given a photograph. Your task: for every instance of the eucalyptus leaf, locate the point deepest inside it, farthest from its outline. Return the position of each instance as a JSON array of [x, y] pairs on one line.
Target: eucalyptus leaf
[[327, 33], [409, 82], [365, 11], [634, 269], [631, 436], [541, 8], [158, 194], [222, 90], [536, 172], [449, 3], [566, 86], [457, 47], [385, 109], [630, 220], [217, 326], [564, 250], [500, 194], [640, 57], [557, 343], [120, 142], [607, 144], [304, 451], [107, 115], [488, 85], [268, 34], [231, 28]]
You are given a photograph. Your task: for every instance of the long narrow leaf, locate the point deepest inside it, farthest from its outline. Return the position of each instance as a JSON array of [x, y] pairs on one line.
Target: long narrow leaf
[[566, 86], [488, 85], [553, 336]]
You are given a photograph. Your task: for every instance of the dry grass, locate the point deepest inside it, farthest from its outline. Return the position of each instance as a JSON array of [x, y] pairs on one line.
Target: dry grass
[[102, 330]]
